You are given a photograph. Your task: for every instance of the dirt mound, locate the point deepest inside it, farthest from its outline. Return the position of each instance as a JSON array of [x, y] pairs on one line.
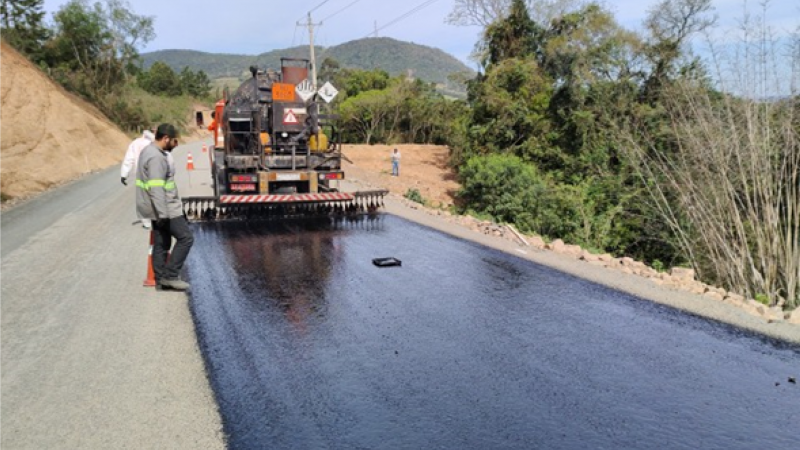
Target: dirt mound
[[48, 136], [422, 167]]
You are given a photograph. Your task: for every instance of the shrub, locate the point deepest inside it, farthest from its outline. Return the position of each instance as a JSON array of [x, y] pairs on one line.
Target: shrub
[[414, 196], [503, 186]]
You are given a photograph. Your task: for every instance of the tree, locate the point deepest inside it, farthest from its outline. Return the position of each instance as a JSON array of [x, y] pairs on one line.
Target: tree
[[485, 12], [510, 37], [128, 29], [586, 45], [329, 69], [94, 37], [509, 113], [195, 84], [81, 51], [671, 23], [356, 81], [161, 80], [93, 50], [23, 26], [365, 115], [477, 12]]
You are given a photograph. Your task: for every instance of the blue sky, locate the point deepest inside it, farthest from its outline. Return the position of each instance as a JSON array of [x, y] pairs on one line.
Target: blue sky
[[256, 26]]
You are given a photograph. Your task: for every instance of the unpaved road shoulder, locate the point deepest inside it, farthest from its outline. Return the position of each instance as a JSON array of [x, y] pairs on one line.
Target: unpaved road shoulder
[[91, 359]]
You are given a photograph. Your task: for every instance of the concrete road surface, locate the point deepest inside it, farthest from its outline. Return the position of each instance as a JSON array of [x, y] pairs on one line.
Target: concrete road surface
[[90, 358]]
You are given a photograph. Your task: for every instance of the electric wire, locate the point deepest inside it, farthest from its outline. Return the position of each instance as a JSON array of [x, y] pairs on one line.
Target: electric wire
[[403, 16], [392, 22], [410, 12], [312, 10], [340, 10], [318, 6]]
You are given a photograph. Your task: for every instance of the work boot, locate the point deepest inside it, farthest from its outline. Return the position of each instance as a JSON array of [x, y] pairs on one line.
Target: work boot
[[173, 283]]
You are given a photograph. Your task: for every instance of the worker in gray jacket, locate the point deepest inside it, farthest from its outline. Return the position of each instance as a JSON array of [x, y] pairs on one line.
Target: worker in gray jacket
[[157, 199]]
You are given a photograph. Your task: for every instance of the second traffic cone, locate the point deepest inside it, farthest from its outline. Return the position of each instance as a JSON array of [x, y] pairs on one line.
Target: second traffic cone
[[205, 148], [150, 280], [189, 162]]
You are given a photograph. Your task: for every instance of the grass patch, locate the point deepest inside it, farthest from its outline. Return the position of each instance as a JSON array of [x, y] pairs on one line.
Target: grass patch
[[414, 196], [158, 109]]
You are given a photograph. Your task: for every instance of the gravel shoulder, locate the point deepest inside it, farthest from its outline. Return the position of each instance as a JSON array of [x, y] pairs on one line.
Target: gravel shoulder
[[91, 359]]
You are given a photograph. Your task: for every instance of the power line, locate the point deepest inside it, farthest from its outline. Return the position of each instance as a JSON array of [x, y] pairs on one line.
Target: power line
[[342, 9], [331, 15], [392, 22], [294, 35], [318, 6], [312, 10], [410, 12]]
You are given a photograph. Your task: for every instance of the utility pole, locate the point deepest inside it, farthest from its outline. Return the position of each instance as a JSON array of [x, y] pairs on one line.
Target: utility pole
[[310, 25]]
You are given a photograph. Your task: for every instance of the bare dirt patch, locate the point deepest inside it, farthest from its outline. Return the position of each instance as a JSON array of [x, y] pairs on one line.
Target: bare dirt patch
[[422, 167], [48, 136]]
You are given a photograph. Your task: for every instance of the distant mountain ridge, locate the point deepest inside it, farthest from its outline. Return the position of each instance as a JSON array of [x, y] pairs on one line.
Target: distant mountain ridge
[[393, 56]]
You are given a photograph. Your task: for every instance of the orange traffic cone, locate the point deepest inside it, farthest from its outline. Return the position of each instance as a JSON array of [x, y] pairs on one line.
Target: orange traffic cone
[[205, 148], [189, 162], [150, 280]]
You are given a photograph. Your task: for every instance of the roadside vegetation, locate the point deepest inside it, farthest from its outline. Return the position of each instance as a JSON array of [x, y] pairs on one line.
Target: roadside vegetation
[[581, 130]]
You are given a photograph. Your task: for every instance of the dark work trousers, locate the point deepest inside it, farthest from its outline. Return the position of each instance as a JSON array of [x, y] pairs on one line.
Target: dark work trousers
[[162, 241]]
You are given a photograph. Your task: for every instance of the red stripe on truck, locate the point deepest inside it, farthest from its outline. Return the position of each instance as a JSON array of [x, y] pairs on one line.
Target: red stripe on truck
[[290, 198]]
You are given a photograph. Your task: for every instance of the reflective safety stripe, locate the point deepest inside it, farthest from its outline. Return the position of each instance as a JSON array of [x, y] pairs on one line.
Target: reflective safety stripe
[[167, 185]]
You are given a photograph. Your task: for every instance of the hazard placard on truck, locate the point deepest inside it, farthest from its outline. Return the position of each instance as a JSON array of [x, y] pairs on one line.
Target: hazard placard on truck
[[283, 92]]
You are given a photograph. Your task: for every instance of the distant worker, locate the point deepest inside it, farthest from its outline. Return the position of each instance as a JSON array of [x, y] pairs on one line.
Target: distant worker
[[213, 125], [157, 199], [131, 157], [396, 163]]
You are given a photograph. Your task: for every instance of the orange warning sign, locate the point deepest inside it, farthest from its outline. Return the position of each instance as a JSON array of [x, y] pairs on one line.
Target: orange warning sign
[[289, 118], [282, 92]]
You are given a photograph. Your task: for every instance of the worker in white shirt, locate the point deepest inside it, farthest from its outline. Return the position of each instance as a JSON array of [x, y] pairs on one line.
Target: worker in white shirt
[[395, 163], [132, 157]]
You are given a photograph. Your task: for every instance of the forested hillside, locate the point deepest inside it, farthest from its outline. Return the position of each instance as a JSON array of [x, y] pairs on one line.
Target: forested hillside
[[393, 56], [215, 65]]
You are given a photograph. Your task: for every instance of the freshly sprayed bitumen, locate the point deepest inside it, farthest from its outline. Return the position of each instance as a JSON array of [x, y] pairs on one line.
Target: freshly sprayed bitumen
[[309, 345]]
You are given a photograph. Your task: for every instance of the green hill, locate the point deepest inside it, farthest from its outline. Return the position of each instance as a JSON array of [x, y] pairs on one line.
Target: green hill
[[393, 56]]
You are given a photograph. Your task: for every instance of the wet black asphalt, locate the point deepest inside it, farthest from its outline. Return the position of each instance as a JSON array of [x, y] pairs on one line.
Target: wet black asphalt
[[308, 345]]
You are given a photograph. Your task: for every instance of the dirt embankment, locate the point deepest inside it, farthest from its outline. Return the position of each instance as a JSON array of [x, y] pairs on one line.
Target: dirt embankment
[[47, 135], [422, 167]]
